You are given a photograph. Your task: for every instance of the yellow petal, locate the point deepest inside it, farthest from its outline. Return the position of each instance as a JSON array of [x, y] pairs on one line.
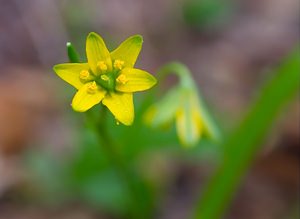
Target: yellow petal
[[121, 106], [164, 111], [70, 72], [88, 96], [134, 80], [188, 126], [128, 51], [96, 52]]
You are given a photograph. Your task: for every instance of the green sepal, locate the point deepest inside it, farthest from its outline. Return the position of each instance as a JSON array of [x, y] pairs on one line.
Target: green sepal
[[72, 53]]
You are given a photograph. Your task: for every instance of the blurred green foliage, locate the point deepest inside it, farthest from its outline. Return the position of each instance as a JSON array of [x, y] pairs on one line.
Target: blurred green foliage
[[207, 14], [87, 175]]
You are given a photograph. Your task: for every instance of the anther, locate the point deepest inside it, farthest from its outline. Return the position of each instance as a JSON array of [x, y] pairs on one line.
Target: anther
[[122, 79], [92, 87], [118, 64], [102, 66], [84, 74]]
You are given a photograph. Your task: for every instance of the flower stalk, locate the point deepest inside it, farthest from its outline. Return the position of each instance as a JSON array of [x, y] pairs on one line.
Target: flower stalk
[[137, 206]]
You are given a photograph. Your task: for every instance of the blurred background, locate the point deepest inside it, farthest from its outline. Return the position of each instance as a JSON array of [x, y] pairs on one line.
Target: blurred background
[[50, 166]]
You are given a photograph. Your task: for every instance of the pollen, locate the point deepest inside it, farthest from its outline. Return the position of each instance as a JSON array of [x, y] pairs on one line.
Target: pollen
[[102, 66], [92, 87], [104, 77], [122, 79], [118, 64], [84, 74]]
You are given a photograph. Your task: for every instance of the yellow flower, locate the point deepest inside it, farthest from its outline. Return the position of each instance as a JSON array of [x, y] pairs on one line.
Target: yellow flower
[[189, 124], [182, 105], [109, 77]]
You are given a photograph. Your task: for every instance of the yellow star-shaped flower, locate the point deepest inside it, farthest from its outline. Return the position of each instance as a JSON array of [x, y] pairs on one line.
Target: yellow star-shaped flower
[[109, 77]]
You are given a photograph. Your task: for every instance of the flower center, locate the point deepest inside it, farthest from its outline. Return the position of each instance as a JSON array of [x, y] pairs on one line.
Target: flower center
[[106, 81]]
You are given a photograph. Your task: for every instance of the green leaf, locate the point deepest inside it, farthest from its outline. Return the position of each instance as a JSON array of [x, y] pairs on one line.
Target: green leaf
[[245, 142]]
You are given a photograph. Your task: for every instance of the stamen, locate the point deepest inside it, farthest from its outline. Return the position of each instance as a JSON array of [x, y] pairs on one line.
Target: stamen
[[84, 74], [92, 87], [118, 64], [122, 79], [104, 77], [102, 66]]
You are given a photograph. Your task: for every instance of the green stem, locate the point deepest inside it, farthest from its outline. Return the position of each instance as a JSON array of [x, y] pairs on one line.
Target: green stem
[[137, 206], [185, 79]]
